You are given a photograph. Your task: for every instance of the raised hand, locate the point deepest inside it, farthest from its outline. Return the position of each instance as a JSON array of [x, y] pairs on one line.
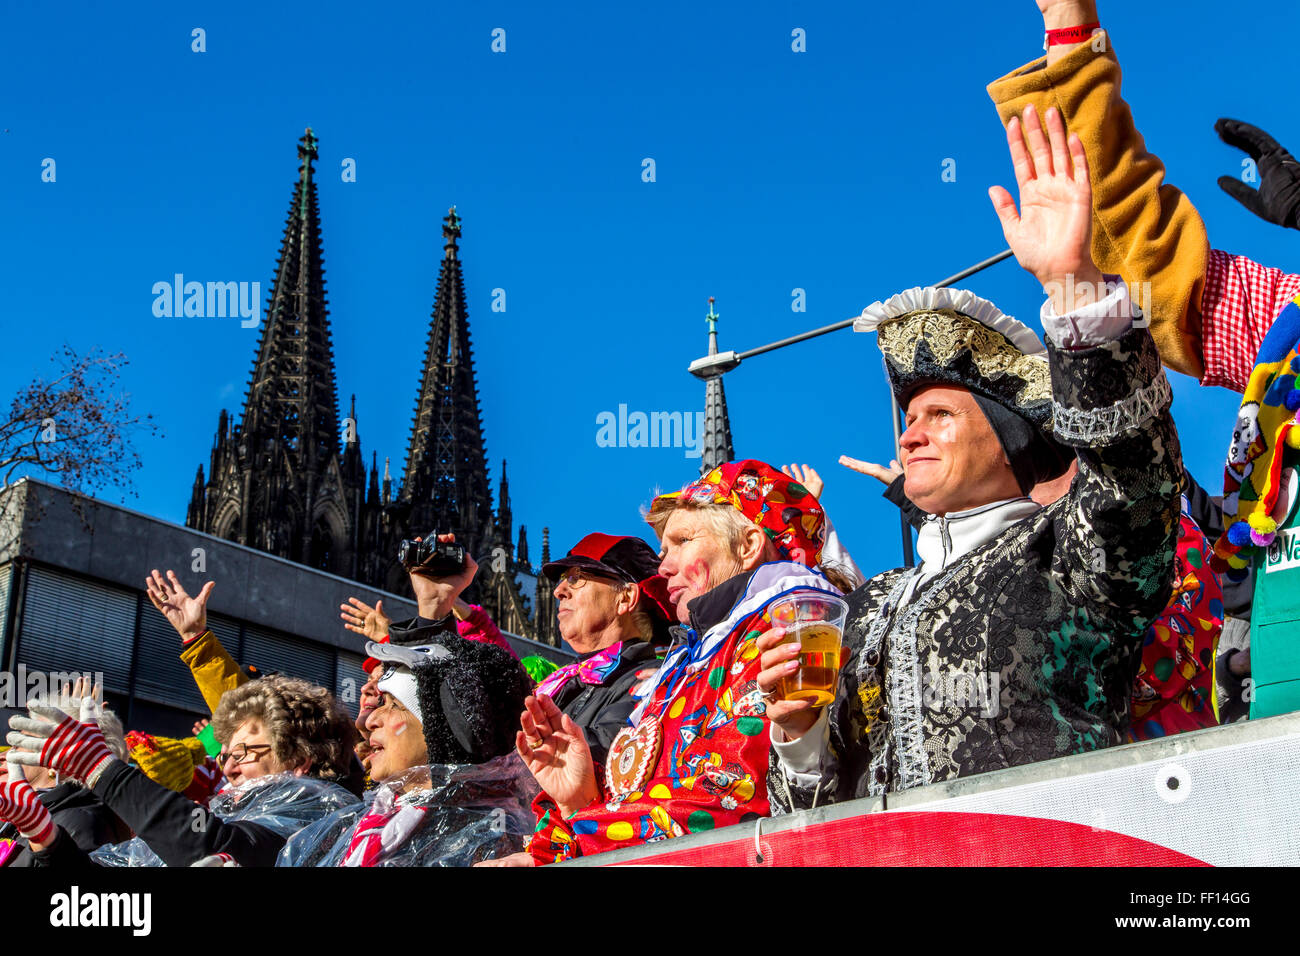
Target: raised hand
[[878, 472], [555, 751], [21, 806], [779, 661], [360, 618], [1051, 235], [437, 595], [50, 738], [189, 615], [1278, 198], [807, 476], [84, 698]]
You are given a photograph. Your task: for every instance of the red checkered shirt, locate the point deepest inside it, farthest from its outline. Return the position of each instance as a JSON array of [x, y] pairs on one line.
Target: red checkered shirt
[[1240, 302]]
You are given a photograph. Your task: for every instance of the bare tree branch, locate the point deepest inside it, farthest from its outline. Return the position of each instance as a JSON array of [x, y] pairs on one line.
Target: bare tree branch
[[76, 425]]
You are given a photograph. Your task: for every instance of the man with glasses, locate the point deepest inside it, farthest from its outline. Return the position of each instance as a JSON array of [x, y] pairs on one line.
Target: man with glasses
[[613, 609]]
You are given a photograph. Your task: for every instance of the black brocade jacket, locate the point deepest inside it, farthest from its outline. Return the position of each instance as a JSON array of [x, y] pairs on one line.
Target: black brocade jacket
[[1026, 648]]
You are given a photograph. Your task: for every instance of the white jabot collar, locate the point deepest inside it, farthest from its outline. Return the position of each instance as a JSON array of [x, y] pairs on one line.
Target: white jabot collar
[[944, 540]]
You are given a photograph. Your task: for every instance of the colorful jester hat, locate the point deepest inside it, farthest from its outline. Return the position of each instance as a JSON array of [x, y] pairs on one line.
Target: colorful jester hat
[[1265, 426], [783, 508]]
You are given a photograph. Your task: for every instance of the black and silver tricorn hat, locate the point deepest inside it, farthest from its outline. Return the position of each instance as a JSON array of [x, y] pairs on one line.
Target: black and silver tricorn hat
[[950, 336]]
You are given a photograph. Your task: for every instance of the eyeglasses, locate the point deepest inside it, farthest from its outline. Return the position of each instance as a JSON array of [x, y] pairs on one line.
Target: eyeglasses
[[243, 753], [575, 578]]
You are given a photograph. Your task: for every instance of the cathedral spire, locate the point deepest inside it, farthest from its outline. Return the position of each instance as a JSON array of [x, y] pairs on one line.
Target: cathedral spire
[[445, 483], [717, 426], [504, 519], [282, 457]]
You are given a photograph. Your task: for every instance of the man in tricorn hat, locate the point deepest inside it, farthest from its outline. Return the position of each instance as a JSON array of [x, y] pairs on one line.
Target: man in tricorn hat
[[1017, 638]]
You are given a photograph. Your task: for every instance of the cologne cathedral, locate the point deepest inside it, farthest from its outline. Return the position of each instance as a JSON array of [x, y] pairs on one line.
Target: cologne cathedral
[[289, 477]]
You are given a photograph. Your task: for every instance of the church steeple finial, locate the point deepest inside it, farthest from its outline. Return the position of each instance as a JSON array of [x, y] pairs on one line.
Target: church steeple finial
[[307, 151], [307, 154], [717, 425], [712, 319], [451, 232]]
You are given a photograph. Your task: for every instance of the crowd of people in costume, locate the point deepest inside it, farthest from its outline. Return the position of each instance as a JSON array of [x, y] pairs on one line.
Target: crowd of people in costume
[[1069, 568]]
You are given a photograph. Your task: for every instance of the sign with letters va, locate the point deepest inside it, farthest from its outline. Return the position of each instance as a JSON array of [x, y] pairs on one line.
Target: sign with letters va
[[1284, 552]]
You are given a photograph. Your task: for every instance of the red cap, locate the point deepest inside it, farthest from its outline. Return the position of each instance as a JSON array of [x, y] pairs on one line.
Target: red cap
[[623, 557]]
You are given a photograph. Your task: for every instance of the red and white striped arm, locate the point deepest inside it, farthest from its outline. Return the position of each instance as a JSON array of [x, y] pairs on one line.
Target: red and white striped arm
[[50, 738], [21, 806]]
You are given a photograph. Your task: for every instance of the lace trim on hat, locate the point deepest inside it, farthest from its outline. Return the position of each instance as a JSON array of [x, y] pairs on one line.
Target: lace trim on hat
[[949, 333], [930, 299], [1104, 424]]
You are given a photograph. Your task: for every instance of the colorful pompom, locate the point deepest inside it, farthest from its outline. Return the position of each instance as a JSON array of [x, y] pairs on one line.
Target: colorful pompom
[[1236, 575], [1239, 534], [1236, 562], [1262, 523], [1292, 400]]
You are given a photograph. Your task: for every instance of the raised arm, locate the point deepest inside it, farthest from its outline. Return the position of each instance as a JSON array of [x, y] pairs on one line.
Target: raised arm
[[214, 670], [1111, 398], [1144, 230], [1209, 310]]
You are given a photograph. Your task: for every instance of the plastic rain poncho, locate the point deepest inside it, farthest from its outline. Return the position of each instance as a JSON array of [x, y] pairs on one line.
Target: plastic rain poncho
[[280, 802], [451, 815]]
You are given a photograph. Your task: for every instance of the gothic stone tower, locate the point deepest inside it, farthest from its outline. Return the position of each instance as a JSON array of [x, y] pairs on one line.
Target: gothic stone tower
[[282, 481], [276, 480]]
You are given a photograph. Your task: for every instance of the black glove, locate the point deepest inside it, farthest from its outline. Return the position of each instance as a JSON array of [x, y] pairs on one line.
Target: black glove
[[1278, 198]]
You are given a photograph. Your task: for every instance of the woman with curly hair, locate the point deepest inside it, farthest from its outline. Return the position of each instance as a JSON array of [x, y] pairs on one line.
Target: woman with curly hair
[[285, 744]]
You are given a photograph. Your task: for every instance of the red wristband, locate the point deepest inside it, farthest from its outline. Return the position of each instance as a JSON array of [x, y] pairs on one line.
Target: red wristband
[[1070, 35]]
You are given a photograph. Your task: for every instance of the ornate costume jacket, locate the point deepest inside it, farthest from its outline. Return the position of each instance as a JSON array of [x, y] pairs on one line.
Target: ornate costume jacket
[[1025, 648]]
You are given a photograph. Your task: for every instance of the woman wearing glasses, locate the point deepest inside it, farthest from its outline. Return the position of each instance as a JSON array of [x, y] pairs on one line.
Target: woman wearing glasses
[[285, 744]]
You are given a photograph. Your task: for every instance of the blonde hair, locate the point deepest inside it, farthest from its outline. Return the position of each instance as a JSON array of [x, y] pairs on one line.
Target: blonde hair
[[724, 522], [305, 723]]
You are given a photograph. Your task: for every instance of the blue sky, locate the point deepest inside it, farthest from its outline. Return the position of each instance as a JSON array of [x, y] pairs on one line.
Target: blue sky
[[774, 171]]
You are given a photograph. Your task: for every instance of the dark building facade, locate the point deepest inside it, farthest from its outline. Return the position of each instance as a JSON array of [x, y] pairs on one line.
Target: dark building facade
[[289, 478], [72, 601]]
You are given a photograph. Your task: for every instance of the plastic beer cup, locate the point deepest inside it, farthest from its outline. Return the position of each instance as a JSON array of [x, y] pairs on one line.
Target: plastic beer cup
[[815, 621]]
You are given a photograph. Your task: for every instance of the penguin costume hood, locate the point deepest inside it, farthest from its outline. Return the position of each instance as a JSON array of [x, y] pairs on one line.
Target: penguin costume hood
[[467, 695]]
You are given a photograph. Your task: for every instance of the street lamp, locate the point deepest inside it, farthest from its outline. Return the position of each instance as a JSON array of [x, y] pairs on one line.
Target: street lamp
[[720, 363]]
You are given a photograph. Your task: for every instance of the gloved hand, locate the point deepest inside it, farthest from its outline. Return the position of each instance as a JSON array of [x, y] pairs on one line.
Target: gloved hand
[[20, 805], [1278, 198], [50, 738]]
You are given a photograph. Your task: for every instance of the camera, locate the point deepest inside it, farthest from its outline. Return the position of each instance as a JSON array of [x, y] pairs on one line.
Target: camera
[[432, 557]]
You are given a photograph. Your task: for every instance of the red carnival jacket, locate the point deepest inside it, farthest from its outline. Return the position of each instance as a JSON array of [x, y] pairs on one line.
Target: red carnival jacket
[[711, 766]]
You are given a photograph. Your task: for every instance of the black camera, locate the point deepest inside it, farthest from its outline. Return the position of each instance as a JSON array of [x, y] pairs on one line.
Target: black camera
[[437, 559]]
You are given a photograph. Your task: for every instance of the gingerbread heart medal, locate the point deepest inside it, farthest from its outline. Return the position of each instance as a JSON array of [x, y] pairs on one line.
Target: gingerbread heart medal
[[632, 756]]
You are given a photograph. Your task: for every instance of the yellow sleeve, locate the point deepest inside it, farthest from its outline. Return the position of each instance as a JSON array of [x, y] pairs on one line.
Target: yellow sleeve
[[214, 670], [1144, 229]]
